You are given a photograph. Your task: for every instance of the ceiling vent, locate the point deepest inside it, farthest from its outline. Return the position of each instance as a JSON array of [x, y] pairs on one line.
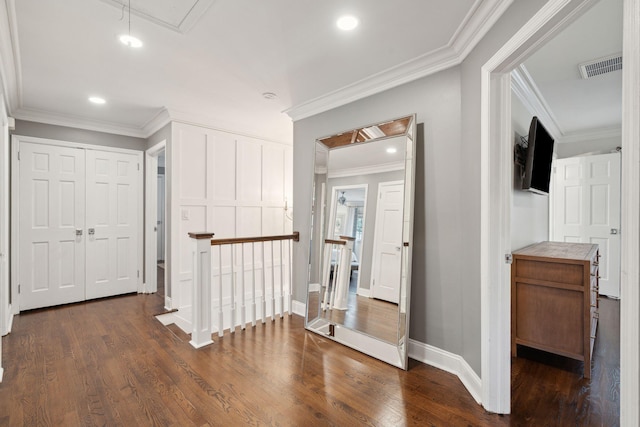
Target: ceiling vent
[[601, 66]]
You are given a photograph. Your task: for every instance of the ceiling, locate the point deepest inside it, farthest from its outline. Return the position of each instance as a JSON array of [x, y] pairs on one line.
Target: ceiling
[[573, 108], [210, 61]]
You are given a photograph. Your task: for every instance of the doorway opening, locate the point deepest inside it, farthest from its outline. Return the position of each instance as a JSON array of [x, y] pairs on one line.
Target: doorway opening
[[156, 265], [496, 184]]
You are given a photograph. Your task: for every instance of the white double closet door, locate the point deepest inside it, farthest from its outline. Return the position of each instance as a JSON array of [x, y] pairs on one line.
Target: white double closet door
[[78, 224]]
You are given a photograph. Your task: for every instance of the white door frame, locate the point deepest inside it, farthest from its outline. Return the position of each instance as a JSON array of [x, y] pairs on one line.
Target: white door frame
[[5, 310], [151, 216], [332, 220], [496, 182], [15, 205]]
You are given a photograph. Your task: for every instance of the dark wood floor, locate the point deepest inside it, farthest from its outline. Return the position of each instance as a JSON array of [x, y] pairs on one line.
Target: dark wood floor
[[109, 362]]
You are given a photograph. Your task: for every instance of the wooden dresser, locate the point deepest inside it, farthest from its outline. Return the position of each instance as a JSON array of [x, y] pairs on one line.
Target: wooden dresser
[[554, 299]]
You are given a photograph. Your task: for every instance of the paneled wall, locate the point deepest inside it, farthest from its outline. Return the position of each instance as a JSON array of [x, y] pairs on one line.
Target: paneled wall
[[229, 184]]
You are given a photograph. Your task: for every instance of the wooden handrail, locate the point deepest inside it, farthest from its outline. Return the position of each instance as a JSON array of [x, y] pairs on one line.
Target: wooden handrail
[[295, 237], [335, 242]]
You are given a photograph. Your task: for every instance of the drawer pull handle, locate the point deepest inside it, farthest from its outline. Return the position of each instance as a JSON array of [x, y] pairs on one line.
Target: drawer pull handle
[[593, 337]]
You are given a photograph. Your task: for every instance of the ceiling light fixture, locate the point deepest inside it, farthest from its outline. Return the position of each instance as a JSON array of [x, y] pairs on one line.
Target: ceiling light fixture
[[128, 39], [347, 22], [269, 95], [97, 100], [391, 150], [342, 200]]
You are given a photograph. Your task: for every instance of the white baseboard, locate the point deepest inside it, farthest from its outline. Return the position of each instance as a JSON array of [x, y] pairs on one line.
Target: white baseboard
[[1, 374], [299, 308], [364, 292], [448, 362], [167, 303]]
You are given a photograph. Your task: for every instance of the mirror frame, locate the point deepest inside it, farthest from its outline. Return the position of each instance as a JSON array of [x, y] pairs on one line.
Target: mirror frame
[[396, 353]]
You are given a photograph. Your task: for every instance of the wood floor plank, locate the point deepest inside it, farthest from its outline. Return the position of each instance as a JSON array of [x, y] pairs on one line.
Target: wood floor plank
[[109, 362]]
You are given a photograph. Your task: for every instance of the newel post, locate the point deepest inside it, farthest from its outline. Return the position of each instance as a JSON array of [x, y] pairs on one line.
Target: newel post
[[201, 304]]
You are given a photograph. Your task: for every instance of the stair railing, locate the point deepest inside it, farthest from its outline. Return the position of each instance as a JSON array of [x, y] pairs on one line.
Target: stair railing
[[264, 287]]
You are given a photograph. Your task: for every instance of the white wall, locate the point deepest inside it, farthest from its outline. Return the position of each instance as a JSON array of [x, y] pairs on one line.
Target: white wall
[[529, 211], [228, 184]]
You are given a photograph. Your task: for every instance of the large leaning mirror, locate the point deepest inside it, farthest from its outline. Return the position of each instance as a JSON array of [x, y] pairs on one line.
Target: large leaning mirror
[[361, 232]]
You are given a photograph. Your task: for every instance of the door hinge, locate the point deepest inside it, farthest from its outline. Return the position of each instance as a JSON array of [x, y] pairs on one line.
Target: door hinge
[[138, 166], [19, 288], [138, 273], [18, 155], [508, 258]]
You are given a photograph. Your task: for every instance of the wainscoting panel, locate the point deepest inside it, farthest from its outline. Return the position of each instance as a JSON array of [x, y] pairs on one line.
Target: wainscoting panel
[[233, 186]]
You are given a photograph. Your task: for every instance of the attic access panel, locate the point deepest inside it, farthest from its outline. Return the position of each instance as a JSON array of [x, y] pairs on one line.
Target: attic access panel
[[178, 16]]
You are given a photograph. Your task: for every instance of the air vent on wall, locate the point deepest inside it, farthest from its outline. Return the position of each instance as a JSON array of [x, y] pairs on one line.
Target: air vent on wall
[[601, 66]]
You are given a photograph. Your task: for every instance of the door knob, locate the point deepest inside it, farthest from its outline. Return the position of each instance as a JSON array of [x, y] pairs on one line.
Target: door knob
[[78, 232], [91, 231], [614, 231]]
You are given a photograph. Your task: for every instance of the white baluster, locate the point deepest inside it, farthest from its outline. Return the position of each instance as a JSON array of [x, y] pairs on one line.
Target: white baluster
[[232, 321], [290, 258], [253, 284], [273, 286], [281, 282], [220, 314], [264, 288], [243, 320]]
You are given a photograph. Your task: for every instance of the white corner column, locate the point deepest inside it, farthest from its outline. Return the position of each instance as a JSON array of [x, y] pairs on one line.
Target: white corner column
[[344, 274], [201, 306]]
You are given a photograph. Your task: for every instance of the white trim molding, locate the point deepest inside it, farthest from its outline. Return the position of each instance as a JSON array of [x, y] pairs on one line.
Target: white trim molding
[[299, 308], [10, 70], [449, 362], [630, 250], [481, 17], [496, 141], [525, 88]]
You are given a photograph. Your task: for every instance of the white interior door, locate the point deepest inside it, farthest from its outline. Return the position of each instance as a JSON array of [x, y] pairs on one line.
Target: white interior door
[[52, 255], [387, 248], [112, 223], [160, 218], [585, 208]]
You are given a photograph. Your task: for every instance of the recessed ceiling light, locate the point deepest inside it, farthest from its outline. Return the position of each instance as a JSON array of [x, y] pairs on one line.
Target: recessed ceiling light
[[97, 100], [347, 22], [130, 41], [269, 95], [391, 150]]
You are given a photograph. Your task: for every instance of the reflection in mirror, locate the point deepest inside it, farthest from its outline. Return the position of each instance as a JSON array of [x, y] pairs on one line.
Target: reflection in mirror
[[360, 258]]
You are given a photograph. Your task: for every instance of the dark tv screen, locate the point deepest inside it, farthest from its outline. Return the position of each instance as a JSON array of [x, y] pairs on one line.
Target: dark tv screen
[[537, 174]]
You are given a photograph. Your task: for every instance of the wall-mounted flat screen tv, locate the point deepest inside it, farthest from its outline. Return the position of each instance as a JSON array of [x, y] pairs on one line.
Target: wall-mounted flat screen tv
[[537, 171]]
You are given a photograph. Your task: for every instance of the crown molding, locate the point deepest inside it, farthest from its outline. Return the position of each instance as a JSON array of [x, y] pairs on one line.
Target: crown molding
[[157, 122], [481, 17], [35, 115], [527, 91], [10, 70]]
